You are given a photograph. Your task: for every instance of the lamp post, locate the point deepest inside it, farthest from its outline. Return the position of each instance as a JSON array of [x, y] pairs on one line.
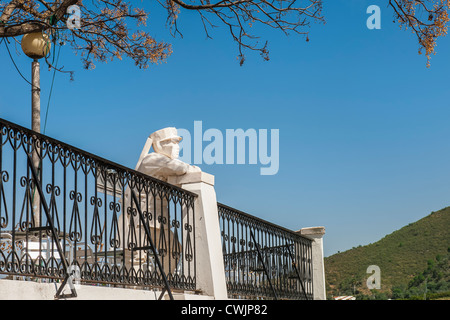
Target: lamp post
[[35, 45]]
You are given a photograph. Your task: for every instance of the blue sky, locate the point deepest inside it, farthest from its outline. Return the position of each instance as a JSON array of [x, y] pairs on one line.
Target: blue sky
[[363, 123]]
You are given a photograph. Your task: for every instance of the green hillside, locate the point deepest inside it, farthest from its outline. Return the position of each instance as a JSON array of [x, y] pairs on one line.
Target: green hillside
[[432, 283], [401, 256]]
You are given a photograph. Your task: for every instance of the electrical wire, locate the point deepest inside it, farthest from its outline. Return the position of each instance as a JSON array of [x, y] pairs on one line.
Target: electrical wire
[[23, 77], [12, 59], [55, 37], [51, 86]]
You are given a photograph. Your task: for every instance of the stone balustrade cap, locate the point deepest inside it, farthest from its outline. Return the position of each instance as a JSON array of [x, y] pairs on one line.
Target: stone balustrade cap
[[191, 177], [312, 231]]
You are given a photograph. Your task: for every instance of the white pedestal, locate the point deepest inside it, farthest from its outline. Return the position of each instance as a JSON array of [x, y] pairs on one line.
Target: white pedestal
[[316, 234], [210, 271]]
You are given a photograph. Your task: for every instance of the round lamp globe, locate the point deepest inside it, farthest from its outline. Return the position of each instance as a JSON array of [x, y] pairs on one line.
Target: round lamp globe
[[36, 45]]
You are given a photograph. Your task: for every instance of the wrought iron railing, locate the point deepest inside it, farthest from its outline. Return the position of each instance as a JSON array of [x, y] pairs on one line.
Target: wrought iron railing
[[63, 209], [263, 260]]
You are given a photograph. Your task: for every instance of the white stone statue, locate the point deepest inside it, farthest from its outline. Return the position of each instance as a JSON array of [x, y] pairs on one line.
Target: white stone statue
[[160, 164], [163, 162]]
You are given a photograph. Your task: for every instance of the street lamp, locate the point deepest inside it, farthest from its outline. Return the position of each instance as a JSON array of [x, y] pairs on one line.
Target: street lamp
[[36, 45]]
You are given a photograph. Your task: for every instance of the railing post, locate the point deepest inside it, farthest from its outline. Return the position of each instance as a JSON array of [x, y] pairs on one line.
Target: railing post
[[316, 234], [210, 271]]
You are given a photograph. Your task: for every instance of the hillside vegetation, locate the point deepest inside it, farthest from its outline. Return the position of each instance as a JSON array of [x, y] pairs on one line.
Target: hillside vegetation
[[432, 283], [402, 257]]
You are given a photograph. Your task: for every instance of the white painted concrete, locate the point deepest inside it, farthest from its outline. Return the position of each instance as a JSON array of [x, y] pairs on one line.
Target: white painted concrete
[[316, 234], [30, 290], [210, 273]]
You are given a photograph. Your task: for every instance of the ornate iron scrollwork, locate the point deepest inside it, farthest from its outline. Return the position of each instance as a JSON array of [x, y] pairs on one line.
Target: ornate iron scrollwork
[[263, 267], [95, 223]]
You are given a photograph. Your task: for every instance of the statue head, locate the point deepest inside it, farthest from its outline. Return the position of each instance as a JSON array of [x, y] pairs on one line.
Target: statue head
[[165, 141]]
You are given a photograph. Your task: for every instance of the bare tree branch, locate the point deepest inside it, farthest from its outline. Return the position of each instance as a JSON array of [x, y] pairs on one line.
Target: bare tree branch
[[111, 29], [428, 20]]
